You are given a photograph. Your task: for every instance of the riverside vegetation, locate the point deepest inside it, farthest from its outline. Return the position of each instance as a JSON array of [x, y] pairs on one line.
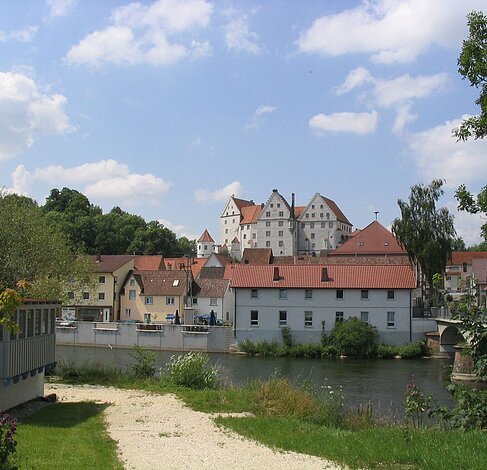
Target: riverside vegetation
[[290, 416]]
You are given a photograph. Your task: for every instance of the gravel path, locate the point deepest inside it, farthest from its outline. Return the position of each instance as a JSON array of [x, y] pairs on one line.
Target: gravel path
[[160, 432]]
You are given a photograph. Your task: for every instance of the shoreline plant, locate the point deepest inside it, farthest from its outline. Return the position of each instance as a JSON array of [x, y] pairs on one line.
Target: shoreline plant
[[8, 443]]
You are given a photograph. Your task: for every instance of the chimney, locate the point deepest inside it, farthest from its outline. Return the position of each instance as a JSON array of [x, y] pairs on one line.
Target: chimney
[[98, 258], [324, 275], [276, 276]]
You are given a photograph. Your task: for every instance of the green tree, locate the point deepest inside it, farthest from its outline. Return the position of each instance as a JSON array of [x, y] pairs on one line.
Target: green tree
[[186, 247], [355, 338], [425, 232], [154, 239], [458, 244], [474, 204], [472, 65]]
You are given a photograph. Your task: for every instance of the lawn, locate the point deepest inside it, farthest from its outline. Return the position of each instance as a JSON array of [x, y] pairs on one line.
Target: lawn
[[66, 436]]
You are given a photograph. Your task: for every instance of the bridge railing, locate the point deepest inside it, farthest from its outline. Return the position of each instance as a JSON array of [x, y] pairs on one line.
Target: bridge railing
[[431, 312]]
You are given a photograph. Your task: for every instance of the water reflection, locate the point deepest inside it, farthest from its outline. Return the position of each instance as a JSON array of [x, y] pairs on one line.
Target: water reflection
[[381, 382]]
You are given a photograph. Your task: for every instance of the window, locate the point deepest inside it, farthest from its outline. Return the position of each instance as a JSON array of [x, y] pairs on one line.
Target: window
[[272, 205], [21, 324], [268, 233], [30, 323], [149, 300], [448, 278], [45, 321], [280, 223], [86, 295], [390, 295], [254, 294], [364, 294], [327, 216], [132, 282], [339, 293], [254, 318], [464, 267], [175, 283], [205, 247], [321, 215], [254, 236], [308, 319], [283, 293], [245, 236], [169, 300], [127, 313], [312, 225], [282, 318], [71, 295], [225, 221], [213, 301], [321, 206], [312, 236], [280, 233], [268, 214], [364, 316], [391, 323], [278, 204], [267, 224], [101, 295], [147, 317], [37, 323], [195, 300], [281, 243], [323, 224], [308, 294], [226, 230], [312, 206], [330, 224], [338, 317], [132, 294], [307, 216], [268, 244], [312, 215], [101, 280], [281, 213]]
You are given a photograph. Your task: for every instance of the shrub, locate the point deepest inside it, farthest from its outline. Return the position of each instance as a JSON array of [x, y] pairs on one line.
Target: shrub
[[329, 351], [305, 350], [414, 350], [355, 338], [144, 363], [387, 351], [248, 346], [8, 428], [193, 371], [287, 337]]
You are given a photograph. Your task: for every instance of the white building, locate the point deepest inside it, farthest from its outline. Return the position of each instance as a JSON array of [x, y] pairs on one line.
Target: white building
[[286, 229], [205, 245], [310, 299]]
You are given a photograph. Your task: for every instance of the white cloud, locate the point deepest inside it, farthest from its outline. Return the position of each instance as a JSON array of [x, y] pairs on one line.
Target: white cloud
[[403, 117], [105, 180], [219, 195], [238, 36], [437, 155], [355, 78], [23, 35], [357, 123], [467, 225], [390, 30], [259, 112], [59, 8], [142, 34], [26, 114], [179, 230]]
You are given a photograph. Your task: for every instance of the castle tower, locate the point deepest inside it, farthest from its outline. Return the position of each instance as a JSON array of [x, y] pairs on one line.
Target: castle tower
[[205, 245]]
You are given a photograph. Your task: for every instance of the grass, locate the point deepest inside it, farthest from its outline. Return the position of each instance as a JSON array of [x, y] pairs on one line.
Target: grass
[[66, 435], [384, 448]]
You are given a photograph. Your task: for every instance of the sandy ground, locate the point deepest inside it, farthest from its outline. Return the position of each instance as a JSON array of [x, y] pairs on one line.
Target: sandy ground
[[160, 432]]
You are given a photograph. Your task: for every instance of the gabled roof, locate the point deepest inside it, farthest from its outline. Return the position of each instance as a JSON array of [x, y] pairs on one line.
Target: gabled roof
[[161, 282], [460, 257], [208, 287], [374, 239], [109, 263], [250, 214], [334, 277], [212, 272], [257, 256], [180, 264], [149, 262], [298, 210], [339, 214], [206, 237], [327, 260], [242, 203]]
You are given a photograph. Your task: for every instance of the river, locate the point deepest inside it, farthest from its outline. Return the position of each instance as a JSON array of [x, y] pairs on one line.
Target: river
[[383, 382]]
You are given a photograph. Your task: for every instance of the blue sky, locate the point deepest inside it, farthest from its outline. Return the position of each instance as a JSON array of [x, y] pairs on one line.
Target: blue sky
[[165, 108]]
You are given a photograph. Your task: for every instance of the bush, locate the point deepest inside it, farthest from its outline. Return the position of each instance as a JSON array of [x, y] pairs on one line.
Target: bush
[[248, 346], [329, 351], [193, 371], [305, 350], [387, 351], [144, 366], [8, 428], [287, 337], [414, 350], [355, 338]]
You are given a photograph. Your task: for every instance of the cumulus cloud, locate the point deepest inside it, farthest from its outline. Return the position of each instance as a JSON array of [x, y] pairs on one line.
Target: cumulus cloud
[[437, 155], [467, 225], [238, 36], [59, 8], [145, 34], [389, 30], [23, 35], [105, 180], [179, 230], [356, 123], [26, 114], [219, 195], [259, 112]]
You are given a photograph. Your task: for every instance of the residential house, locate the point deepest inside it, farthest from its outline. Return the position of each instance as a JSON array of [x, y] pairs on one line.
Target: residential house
[[311, 299], [459, 273], [101, 302], [213, 293], [151, 295], [26, 354]]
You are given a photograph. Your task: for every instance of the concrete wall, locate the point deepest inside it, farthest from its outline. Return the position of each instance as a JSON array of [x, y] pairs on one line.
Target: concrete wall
[[22, 391], [127, 335]]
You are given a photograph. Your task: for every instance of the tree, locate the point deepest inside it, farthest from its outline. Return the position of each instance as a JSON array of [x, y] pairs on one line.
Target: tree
[[472, 65], [473, 204], [186, 247], [458, 244], [355, 338], [154, 239], [425, 232]]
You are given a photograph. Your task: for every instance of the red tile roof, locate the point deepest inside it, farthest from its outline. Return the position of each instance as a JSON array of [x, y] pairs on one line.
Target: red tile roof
[[310, 277], [206, 237], [257, 256], [337, 211], [298, 210], [210, 287], [229, 268], [161, 282], [374, 239], [326, 260], [250, 214], [108, 263], [460, 257], [240, 203], [178, 264], [149, 262]]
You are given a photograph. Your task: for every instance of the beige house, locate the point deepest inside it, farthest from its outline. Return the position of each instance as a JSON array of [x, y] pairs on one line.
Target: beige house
[[101, 302], [151, 295]]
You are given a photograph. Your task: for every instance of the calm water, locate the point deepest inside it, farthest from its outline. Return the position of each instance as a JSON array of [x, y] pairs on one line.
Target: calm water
[[381, 382]]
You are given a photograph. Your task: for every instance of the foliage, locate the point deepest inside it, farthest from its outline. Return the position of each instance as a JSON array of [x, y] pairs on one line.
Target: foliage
[[473, 327], [144, 363], [475, 205], [387, 351], [305, 350], [416, 405], [425, 232], [8, 444], [458, 244], [192, 371], [287, 337], [414, 350], [355, 338], [470, 411], [472, 65]]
